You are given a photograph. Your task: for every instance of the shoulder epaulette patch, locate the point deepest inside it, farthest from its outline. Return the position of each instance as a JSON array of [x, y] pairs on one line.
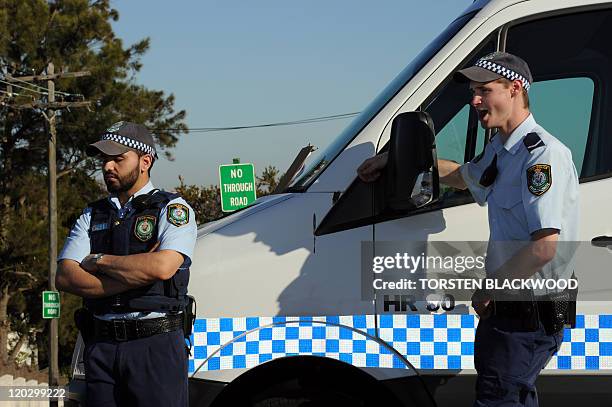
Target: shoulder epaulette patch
[[178, 214], [533, 141], [539, 179]]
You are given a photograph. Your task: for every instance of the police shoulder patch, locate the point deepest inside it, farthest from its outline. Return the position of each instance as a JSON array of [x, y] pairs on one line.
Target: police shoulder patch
[[144, 227], [539, 179], [178, 214]]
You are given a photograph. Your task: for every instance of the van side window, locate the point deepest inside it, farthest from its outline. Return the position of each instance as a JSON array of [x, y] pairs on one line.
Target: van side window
[[568, 121], [450, 140], [571, 61]]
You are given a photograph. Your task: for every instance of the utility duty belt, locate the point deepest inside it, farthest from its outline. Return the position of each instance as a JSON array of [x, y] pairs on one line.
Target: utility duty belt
[[129, 329], [554, 311], [121, 330]]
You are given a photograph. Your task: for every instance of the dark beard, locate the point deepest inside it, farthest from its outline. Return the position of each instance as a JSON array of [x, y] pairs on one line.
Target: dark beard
[[125, 183]]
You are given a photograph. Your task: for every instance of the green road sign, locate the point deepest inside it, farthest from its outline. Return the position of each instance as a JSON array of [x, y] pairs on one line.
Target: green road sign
[[51, 304], [237, 183]]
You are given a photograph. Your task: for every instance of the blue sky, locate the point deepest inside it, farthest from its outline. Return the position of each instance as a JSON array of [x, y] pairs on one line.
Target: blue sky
[[239, 63]]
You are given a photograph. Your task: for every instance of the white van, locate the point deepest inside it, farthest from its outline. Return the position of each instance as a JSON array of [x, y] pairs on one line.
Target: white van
[[283, 276]]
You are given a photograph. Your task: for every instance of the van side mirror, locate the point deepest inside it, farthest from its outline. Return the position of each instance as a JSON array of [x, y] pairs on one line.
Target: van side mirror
[[409, 181], [412, 167]]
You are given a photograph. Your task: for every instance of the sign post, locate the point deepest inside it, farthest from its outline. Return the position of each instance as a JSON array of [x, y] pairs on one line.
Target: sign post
[[50, 304], [237, 186]]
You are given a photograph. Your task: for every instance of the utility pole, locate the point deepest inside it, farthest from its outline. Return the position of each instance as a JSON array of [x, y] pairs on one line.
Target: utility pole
[[50, 115], [53, 327]]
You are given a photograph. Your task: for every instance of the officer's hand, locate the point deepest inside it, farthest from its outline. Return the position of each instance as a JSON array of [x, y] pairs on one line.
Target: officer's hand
[[371, 168], [89, 264], [482, 308], [481, 302]]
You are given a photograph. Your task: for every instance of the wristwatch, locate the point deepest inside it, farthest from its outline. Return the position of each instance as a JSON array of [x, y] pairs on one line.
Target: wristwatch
[[96, 258]]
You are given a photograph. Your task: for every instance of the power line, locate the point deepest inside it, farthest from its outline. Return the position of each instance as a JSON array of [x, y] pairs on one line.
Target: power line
[[31, 84], [22, 87], [11, 93], [254, 126], [13, 78]]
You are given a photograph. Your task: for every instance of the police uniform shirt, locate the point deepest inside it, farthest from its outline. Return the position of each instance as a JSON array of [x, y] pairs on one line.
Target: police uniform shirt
[[170, 237], [536, 187]]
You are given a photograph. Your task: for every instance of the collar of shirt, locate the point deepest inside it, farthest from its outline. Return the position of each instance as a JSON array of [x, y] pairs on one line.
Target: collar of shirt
[[125, 209], [512, 144]]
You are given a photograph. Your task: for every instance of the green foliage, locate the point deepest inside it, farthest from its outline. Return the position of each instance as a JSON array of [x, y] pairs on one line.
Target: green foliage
[[205, 201], [267, 181]]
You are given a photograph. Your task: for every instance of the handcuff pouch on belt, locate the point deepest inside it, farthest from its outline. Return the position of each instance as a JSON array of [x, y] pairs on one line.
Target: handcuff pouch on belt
[[559, 310], [555, 311]]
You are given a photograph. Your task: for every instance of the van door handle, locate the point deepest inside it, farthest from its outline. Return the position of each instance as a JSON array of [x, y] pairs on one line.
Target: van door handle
[[602, 241]]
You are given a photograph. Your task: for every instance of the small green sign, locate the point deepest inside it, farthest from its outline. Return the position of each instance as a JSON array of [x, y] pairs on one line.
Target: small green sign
[[51, 304], [237, 184]]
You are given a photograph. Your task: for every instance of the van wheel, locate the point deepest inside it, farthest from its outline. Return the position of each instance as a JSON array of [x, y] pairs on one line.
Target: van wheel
[[305, 381]]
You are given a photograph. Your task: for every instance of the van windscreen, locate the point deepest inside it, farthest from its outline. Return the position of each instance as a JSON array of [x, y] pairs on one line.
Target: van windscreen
[[320, 161]]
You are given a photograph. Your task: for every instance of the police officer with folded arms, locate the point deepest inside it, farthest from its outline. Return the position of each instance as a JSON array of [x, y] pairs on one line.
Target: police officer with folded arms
[[128, 256], [529, 182]]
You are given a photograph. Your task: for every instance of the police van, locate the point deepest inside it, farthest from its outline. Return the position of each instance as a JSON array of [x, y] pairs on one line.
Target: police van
[[281, 315]]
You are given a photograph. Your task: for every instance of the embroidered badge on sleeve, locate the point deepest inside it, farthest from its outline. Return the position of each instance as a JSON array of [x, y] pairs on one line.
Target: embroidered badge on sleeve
[[144, 227], [178, 214], [539, 179]]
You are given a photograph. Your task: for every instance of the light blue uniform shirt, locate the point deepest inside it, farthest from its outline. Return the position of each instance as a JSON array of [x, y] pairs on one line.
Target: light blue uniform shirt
[[170, 237], [533, 190]]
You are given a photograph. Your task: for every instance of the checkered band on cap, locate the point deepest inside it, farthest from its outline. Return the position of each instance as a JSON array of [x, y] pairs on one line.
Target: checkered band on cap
[[503, 71], [128, 142]]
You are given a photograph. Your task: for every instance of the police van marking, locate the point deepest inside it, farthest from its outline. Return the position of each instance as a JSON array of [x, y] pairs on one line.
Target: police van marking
[[440, 341]]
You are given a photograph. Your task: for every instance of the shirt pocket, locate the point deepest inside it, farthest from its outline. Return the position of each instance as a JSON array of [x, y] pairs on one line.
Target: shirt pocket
[[512, 216]]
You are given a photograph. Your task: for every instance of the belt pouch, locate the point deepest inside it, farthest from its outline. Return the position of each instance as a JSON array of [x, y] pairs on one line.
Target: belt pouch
[[84, 322]]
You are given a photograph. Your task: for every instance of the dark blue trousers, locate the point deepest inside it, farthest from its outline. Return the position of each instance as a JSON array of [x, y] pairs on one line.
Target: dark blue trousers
[[142, 372], [508, 359]]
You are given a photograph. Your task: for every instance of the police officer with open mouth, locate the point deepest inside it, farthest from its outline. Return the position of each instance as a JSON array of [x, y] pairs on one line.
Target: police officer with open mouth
[[529, 182]]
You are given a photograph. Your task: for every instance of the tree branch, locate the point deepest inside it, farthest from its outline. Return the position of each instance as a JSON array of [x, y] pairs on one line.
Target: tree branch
[[68, 170], [22, 289], [26, 274]]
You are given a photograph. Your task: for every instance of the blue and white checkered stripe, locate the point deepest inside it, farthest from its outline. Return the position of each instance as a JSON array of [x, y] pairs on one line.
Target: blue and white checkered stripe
[[588, 346], [503, 71], [443, 341], [131, 143]]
